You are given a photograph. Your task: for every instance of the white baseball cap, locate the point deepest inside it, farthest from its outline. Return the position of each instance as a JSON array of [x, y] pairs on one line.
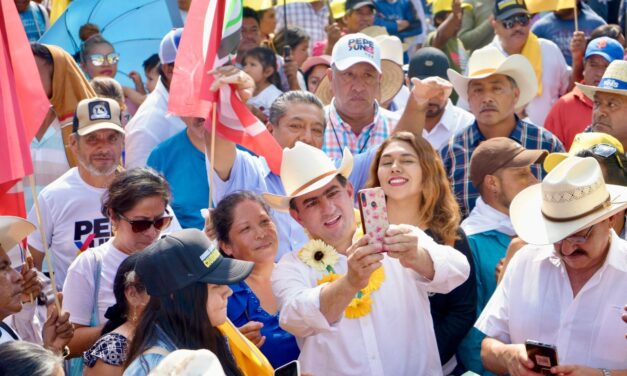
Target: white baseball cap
[[356, 48], [170, 45]]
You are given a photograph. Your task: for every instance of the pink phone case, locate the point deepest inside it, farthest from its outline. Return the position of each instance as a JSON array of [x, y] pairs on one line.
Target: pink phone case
[[374, 213]]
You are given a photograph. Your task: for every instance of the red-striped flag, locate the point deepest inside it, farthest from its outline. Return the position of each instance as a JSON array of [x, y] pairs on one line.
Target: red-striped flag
[[23, 106], [210, 36]]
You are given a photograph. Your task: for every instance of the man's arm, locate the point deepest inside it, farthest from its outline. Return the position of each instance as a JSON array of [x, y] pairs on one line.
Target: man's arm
[[472, 35], [415, 113]]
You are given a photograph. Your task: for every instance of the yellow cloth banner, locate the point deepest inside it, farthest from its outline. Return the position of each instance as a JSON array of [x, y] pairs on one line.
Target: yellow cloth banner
[[258, 5], [531, 50], [537, 6], [58, 7], [248, 357]]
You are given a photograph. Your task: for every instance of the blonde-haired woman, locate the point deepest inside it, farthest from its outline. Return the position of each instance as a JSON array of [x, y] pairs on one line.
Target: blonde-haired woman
[[418, 193]]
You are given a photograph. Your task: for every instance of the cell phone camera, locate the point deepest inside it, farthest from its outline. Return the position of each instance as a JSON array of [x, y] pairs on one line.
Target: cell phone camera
[[373, 204]]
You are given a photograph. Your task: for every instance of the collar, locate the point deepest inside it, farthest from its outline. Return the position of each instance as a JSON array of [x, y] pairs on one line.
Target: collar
[[336, 119], [577, 93], [485, 218], [161, 90], [447, 120]]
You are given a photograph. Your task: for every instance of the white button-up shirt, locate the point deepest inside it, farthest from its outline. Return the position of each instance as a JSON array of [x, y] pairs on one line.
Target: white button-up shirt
[[395, 339], [453, 120], [535, 301]]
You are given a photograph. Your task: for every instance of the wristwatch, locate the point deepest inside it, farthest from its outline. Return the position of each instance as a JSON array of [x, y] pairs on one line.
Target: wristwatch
[[606, 372]]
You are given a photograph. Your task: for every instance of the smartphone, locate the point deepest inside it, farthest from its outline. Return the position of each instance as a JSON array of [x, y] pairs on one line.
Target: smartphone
[[287, 52], [542, 355], [374, 213], [290, 369]]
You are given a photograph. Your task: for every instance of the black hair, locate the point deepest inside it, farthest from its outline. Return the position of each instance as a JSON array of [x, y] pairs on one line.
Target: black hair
[[222, 216], [88, 44], [182, 316], [132, 186], [295, 36], [151, 63], [281, 104], [41, 51], [340, 179], [250, 13], [21, 358], [613, 172], [117, 314], [267, 58]]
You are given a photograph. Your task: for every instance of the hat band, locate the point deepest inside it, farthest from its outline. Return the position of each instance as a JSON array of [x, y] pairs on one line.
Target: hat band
[[612, 83], [482, 71], [313, 181], [606, 203]]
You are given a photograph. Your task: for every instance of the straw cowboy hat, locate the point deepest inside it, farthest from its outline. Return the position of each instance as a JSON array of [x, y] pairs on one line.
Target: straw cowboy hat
[[614, 80], [572, 197], [13, 230], [368, 51], [304, 169], [581, 142], [488, 61]]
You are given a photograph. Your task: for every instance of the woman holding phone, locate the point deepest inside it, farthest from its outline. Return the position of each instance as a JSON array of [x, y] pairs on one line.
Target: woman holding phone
[[418, 193]]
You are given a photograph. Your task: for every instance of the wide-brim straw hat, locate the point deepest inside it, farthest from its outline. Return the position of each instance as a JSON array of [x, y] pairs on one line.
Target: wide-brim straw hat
[[304, 169], [13, 230], [572, 197], [392, 78], [489, 61], [614, 80]]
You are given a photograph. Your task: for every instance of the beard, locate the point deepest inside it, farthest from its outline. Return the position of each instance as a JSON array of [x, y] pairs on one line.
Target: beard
[[96, 171], [434, 110]]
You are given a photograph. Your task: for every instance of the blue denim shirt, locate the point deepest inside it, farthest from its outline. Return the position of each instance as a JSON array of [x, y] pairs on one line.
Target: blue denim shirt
[[143, 364]]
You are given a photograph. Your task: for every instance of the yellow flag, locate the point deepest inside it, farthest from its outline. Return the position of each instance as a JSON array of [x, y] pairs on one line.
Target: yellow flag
[[247, 356], [258, 5], [58, 7], [537, 6]]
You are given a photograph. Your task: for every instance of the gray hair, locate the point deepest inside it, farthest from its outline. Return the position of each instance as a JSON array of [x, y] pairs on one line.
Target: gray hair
[[281, 104], [21, 358]]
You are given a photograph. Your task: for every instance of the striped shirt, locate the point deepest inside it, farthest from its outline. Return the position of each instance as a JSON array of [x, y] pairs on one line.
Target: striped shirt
[[456, 156], [339, 134]]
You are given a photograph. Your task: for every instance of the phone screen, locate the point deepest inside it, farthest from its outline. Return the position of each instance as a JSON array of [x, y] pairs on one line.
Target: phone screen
[[290, 369]]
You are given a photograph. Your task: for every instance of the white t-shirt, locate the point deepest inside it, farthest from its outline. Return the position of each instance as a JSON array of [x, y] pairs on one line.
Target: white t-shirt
[[70, 214], [78, 291], [264, 100]]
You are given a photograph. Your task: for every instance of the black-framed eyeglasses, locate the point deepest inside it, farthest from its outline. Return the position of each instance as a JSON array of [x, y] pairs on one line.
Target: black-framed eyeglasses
[[141, 225], [606, 151], [100, 59], [520, 19], [576, 239]]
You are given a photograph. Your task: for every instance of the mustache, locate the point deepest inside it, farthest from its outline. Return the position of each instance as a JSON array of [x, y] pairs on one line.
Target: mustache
[[577, 252], [488, 107], [518, 32]]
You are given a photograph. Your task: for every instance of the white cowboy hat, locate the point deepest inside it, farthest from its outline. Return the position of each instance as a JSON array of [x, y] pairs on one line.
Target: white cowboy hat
[[391, 48], [572, 197], [488, 61], [189, 363], [13, 230], [614, 80], [304, 169]]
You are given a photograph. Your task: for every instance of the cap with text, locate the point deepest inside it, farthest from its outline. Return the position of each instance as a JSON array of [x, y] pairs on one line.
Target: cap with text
[[356, 48], [504, 9], [94, 114]]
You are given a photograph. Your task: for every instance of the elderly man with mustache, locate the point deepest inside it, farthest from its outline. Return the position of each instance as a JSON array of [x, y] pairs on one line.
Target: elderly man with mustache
[[494, 88]]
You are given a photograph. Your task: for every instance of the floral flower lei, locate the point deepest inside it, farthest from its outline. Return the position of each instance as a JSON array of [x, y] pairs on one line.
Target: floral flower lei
[[321, 256]]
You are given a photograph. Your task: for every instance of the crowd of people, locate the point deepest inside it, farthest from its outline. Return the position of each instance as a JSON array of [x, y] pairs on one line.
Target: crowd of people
[[495, 136]]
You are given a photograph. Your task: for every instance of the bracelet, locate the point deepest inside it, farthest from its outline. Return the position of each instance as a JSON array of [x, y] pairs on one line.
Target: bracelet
[[606, 372], [66, 352]]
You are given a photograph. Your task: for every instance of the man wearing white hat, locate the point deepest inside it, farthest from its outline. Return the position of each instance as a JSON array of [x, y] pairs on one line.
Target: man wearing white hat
[[609, 111], [566, 288], [494, 88], [354, 86], [356, 308]]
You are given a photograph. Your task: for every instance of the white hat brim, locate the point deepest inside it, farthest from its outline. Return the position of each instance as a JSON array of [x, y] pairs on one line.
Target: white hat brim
[[282, 203], [515, 66], [589, 90], [532, 227], [13, 230]]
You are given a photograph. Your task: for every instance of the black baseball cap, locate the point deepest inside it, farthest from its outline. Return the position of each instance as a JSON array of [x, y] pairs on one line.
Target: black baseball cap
[[356, 4], [428, 62], [186, 257], [504, 9]]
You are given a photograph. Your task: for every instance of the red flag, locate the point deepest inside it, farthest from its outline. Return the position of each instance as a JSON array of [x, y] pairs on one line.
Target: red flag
[[204, 46], [23, 106]]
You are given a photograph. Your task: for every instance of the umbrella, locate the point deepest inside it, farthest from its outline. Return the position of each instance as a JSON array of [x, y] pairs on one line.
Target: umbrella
[[134, 27]]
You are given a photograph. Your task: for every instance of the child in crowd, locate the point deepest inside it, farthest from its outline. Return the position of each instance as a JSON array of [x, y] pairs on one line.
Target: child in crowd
[[260, 64]]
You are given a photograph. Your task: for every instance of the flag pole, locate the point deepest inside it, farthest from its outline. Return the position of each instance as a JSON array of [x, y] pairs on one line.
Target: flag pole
[[575, 13], [44, 242], [212, 152]]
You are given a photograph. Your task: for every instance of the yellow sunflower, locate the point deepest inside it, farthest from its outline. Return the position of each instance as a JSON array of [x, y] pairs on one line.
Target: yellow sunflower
[[376, 280], [358, 307], [318, 255], [329, 278]]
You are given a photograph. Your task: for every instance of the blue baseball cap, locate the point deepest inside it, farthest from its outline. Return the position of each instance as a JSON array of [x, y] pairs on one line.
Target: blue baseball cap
[[606, 47]]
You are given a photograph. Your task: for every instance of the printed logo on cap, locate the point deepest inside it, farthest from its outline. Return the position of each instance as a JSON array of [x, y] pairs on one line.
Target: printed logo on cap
[[209, 256], [601, 43], [99, 111], [361, 44]]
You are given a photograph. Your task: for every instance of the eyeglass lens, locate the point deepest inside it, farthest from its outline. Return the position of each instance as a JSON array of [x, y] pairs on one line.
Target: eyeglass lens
[[522, 20]]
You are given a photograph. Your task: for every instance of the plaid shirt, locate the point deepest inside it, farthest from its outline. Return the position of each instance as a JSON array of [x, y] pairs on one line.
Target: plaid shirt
[[304, 16], [339, 134], [456, 156]]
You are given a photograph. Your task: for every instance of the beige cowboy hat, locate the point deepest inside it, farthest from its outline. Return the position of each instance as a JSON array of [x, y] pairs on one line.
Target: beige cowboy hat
[[488, 61], [614, 80], [361, 48], [13, 230], [304, 169], [572, 197]]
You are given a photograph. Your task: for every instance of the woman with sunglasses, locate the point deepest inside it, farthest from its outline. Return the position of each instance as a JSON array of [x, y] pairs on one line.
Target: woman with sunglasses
[[137, 205]]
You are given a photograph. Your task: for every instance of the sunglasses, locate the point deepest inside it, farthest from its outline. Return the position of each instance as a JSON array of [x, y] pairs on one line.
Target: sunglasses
[[521, 19], [576, 239], [100, 59], [606, 151], [141, 225]]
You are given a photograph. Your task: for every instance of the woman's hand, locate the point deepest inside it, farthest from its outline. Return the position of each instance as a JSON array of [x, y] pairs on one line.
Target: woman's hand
[[402, 242], [230, 74], [252, 331], [209, 228]]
